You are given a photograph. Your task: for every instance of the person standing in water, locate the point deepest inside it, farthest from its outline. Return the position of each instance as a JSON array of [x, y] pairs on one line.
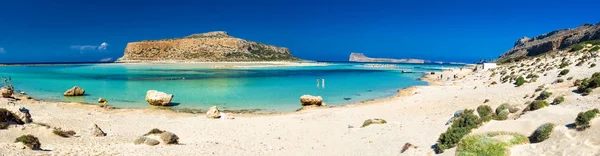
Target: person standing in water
[[323, 82], [318, 82]]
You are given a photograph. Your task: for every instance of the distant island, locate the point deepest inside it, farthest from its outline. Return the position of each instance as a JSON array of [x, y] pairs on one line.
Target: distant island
[[360, 57], [215, 46]]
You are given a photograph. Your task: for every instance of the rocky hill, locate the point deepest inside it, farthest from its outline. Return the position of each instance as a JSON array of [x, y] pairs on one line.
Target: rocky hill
[[210, 46], [552, 41], [360, 57]]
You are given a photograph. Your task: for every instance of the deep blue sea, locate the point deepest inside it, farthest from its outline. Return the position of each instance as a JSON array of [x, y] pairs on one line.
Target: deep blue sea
[[199, 86]]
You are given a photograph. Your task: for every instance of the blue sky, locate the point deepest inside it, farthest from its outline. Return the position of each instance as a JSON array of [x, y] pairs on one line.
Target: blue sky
[[76, 30]]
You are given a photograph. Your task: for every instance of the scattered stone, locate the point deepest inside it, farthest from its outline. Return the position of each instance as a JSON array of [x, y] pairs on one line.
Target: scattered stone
[[373, 121], [213, 113], [311, 100], [486, 100], [157, 98], [75, 91], [139, 140], [514, 108], [408, 146], [22, 93], [151, 142], [169, 138], [96, 131], [351, 98]]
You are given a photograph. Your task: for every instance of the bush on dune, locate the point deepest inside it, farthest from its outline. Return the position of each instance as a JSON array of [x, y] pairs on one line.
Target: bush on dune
[[544, 95], [489, 144], [588, 84], [30, 141], [558, 100], [520, 81], [541, 133], [485, 112], [583, 119], [564, 72], [537, 104], [461, 126]]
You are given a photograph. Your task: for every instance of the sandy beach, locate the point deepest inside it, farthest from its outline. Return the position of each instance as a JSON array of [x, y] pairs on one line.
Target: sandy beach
[[416, 115]]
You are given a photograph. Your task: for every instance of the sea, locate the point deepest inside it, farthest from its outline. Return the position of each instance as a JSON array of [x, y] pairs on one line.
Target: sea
[[200, 86]]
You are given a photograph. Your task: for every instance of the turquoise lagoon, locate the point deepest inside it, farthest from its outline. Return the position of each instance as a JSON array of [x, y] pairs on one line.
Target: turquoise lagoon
[[199, 86]]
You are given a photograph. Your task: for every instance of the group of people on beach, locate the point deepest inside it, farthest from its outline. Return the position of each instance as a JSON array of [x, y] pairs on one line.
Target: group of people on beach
[[321, 82]]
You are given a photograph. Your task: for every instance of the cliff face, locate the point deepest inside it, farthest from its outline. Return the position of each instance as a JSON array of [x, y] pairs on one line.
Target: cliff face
[[360, 57], [555, 40], [211, 46]]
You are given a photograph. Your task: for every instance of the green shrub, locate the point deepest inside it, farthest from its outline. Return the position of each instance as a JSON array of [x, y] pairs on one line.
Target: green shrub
[[373, 121], [154, 131], [577, 47], [537, 104], [544, 95], [64, 134], [503, 115], [563, 65], [5, 117], [485, 112], [29, 141], [539, 88], [489, 144], [558, 100], [593, 65], [502, 107], [582, 121], [587, 85], [564, 72], [520, 81], [459, 128], [559, 81], [596, 48], [541, 133], [570, 78]]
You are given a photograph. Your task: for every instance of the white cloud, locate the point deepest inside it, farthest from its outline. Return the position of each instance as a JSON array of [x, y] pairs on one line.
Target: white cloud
[[2, 51], [110, 59], [102, 47]]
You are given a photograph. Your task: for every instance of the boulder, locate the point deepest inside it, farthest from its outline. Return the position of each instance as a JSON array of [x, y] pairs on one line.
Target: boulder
[[75, 91], [5, 92], [101, 100], [311, 100], [213, 113], [158, 98], [96, 131]]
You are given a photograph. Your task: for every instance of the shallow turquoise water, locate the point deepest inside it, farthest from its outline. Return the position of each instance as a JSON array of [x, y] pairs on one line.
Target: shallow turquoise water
[[197, 86]]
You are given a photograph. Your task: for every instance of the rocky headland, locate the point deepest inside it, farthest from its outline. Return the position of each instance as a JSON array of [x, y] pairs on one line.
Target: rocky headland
[[360, 57], [215, 46], [552, 41]]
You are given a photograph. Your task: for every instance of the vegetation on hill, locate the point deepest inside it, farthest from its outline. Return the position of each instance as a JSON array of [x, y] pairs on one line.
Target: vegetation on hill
[[461, 126], [582, 121]]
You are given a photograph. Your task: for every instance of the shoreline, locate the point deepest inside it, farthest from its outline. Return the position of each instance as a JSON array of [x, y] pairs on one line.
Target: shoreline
[[403, 92]]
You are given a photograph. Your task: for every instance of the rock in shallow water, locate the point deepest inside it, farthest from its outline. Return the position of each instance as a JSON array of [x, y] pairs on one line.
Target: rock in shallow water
[[311, 100], [75, 91], [158, 98]]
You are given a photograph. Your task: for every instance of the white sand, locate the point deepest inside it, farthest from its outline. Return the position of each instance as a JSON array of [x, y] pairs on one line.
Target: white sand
[[418, 119]]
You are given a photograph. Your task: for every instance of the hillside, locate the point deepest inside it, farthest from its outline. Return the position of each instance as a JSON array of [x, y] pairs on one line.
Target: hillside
[[552, 41], [210, 47], [360, 57]]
